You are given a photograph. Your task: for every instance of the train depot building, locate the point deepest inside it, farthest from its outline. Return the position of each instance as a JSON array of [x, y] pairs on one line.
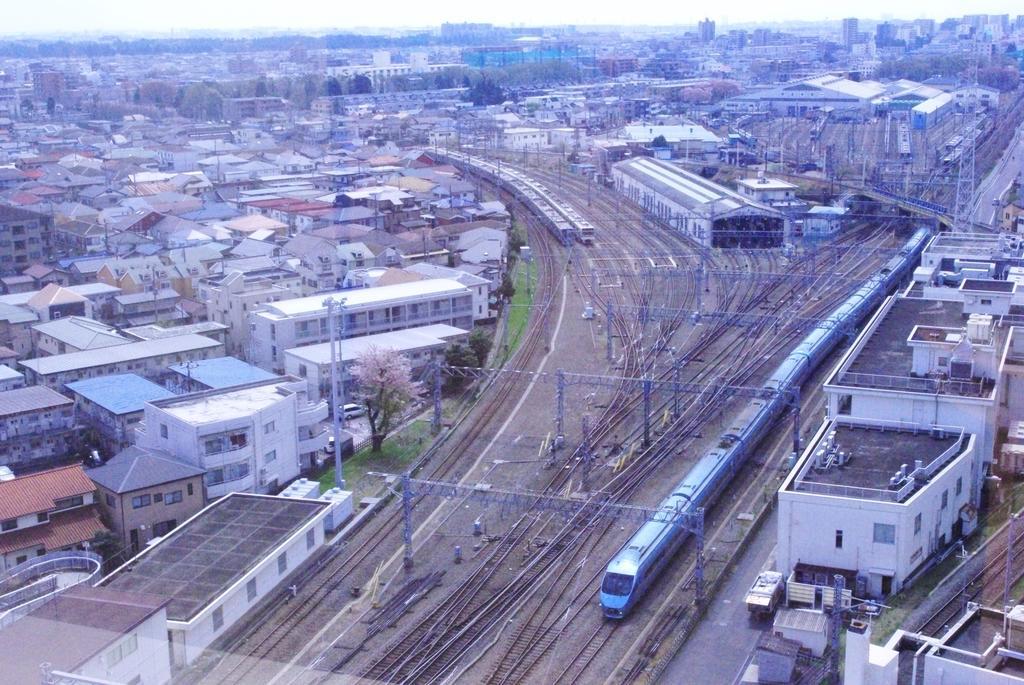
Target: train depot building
[[711, 214]]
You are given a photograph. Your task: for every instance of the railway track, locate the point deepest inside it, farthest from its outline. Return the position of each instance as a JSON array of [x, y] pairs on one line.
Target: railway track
[[482, 625]]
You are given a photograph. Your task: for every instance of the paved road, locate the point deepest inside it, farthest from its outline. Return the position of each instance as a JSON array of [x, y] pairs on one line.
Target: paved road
[[720, 648], [995, 185]]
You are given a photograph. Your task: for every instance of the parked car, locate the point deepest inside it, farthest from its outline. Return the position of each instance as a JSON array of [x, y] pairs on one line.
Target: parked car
[[353, 411]]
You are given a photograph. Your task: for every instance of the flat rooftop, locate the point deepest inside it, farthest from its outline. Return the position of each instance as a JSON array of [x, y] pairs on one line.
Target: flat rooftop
[[405, 340], [874, 453], [357, 299], [215, 405], [201, 559], [976, 635], [886, 360], [70, 629]]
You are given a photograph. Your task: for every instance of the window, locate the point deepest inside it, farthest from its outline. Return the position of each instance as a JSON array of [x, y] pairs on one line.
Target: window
[[172, 497], [270, 457], [9, 524], [42, 517], [945, 499], [218, 618], [917, 524], [959, 485], [885, 533], [188, 489], [282, 563], [839, 539], [986, 300], [111, 501], [250, 589], [943, 362], [163, 430], [310, 539], [69, 503], [140, 501], [158, 497], [164, 527], [120, 652], [268, 427]]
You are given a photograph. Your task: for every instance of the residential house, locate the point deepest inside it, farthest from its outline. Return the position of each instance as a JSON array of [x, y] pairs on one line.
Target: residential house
[[46, 511], [145, 493]]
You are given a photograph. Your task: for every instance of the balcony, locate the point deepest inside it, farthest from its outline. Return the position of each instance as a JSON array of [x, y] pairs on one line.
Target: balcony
[[312, 414], [313, 443]]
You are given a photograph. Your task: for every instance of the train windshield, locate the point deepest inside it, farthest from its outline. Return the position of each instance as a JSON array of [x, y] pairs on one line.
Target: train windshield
[[617, 584]]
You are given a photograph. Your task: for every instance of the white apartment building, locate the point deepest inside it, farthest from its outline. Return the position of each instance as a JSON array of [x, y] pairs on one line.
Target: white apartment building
[[927, 362], [873, 499], [232, 297], [145, 358], [281, 326], [249, 438], [421, 346]]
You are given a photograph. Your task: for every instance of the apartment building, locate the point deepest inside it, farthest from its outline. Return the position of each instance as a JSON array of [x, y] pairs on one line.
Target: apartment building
[[24, 239], [231, 297], [248, 438], [112, 406], [421, 346], [293, 323], [147, 358], [37, 426]]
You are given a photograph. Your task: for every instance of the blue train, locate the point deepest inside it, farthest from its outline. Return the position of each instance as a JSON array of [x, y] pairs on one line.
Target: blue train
[[636, 566]]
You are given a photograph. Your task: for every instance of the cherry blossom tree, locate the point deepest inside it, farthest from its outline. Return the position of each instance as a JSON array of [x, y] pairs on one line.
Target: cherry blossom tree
[[385, 385]]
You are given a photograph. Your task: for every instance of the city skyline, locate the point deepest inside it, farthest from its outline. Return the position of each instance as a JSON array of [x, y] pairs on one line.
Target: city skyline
[[66, 17]]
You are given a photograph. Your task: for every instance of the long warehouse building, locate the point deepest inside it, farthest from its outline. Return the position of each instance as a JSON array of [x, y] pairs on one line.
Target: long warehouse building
[[280, 326], [711, 214]]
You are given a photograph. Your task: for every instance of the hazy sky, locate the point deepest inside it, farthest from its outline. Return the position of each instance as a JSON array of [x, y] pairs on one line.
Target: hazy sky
[[146, 16]]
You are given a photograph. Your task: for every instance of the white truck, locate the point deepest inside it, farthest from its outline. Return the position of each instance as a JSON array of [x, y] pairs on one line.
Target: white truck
[[764, 595]]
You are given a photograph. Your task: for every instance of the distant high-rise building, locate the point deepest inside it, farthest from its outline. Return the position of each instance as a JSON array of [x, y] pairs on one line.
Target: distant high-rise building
[[885, 34], [925, 27], [849, 31], [706, 30]]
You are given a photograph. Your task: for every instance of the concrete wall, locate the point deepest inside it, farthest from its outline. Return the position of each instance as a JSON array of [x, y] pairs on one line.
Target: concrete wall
[[807, 525], [199, 632], [150, 662]]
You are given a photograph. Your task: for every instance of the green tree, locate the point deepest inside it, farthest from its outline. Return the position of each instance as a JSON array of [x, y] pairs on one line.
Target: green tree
[[659, 141], [261, 88], [480, 344], [360, 84], [333, 87], [51, 105], [107, 545], [459, 355], [507, 289]]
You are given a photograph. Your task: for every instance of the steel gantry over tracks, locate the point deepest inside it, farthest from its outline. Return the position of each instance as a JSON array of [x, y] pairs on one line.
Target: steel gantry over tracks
[[516, 500]]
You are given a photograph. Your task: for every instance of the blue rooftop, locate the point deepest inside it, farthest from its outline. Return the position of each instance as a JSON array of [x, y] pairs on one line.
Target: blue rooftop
[[222, 372], [121, 393]]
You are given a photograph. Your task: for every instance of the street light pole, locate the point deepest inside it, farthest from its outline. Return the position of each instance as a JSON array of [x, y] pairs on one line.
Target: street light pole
[[337, 411]]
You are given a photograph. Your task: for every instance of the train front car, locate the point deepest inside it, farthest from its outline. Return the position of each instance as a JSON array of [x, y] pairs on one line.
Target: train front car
[[618, 584]]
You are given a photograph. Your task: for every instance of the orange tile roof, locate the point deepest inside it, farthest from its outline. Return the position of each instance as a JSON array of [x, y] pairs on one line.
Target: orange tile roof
[[65, 528], [37, 492]]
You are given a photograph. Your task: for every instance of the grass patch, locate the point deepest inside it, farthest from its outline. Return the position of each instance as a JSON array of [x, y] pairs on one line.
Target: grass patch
[[397, 452], [523, 275]]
